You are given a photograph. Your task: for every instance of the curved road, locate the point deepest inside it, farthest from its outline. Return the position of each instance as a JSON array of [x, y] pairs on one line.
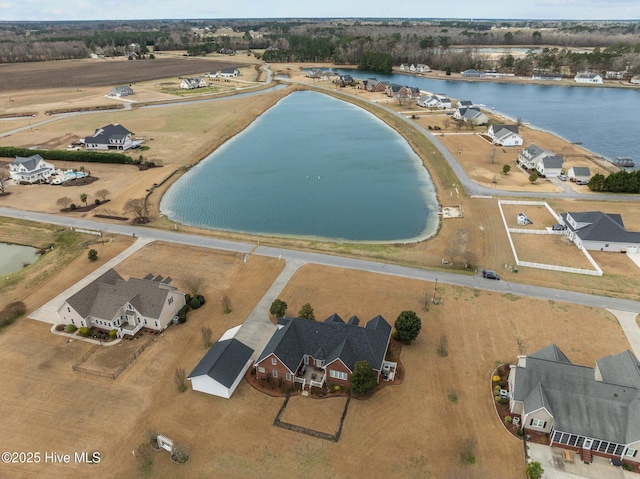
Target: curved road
[[336, 261]]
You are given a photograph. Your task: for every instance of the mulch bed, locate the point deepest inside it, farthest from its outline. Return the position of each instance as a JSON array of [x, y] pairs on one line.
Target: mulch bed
[[87, 180], [82, 209]]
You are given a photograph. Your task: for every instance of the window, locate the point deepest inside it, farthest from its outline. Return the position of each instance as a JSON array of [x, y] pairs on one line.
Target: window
[[68, 309], [129, 307], [275, 373], [170, 299], [274, 361], [338, 374], [538, 423], [157, 325], [261, 369], [631, 452], [145, 321], [288, 376]]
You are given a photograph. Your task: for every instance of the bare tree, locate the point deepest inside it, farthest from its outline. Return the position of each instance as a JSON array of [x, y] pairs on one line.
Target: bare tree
[[468, 450], [64, 202], [206, 336], [102, 194], [3, 181], [443, 348], [424, 301], [180, 377], [226, 304], [446, 123], [137, 207], [193, 284]]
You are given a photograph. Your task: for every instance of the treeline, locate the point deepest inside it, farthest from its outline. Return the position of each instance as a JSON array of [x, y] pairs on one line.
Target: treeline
[[377, 62], [64, 155], [619, 182]]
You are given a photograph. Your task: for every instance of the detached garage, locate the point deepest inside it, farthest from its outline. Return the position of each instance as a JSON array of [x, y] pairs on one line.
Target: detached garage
[[222, 368]]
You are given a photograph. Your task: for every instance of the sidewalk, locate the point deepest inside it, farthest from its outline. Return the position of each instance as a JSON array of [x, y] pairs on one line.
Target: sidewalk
[[48, 312]]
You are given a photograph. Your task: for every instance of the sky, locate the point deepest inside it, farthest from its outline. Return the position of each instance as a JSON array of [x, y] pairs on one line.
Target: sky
[[57, 10]]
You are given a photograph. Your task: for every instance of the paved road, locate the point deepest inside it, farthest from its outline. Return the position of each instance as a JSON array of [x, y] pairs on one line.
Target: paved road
[[475, 281]]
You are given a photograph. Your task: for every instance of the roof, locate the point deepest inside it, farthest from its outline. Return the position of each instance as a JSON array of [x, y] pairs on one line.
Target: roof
[[329, 341], [581, 171], [578, 402], [599, 226], [30, 163], [534, 151], [103, 297], [224, 361], [107, 133], [552, 161]]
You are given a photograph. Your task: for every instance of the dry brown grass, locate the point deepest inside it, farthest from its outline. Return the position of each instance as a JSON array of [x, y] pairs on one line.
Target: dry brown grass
[[235, 438], [549, 249], [318, 414]]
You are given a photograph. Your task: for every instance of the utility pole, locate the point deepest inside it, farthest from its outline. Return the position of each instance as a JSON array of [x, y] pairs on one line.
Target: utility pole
[[435, 290]]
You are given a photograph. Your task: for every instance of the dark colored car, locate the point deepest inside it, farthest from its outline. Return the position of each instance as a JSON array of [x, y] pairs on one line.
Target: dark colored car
[[558, 227], [490, 274]]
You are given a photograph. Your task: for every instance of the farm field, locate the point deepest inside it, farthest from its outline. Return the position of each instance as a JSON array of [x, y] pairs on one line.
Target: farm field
[[44, 401]]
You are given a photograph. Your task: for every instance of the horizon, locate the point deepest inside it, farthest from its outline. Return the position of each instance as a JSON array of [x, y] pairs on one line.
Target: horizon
[[506, 10]]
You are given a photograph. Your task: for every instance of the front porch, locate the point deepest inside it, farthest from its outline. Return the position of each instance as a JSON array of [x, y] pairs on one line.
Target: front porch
[[129, 329]]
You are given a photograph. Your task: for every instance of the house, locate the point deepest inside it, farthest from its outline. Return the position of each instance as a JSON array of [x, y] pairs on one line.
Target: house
[[32, 169], [344, 80], [465, 104], [546, 76], [119, 91], [313, 353], [422, 68], [592, 411], [615, 75], [192, 83], [550, 166], [229, 73], [472, 72], [110, 302], [220, 370], [471, 115], [635, 80], [588, 77], [505, 135], [110, 137], [377, 86], [579, 174], [404, 68], [392, 89], [530, 156], [363, 84], [434, 101], [409, 92], [599, 231]]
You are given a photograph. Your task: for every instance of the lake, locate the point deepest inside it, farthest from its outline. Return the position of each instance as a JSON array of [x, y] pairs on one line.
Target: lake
[[602, 119], [311, 166], [13, 257]]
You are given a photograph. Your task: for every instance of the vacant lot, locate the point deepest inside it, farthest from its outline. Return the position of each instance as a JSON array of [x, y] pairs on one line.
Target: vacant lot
[[549, 249], [539, 215], [47, 406], [317, 414]]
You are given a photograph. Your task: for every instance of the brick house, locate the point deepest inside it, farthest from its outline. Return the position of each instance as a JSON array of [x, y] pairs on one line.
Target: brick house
[[316, 353]]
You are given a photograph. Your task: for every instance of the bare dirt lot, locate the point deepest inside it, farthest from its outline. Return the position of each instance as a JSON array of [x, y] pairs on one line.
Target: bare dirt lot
[[56, 409]]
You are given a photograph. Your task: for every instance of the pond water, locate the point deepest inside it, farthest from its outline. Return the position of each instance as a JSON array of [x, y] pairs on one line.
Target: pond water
[[14, 257], [311, 166]]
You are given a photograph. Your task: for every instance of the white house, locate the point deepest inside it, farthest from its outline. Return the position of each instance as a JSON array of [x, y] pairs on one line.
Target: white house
[[110, 302], [120, 91], [110, 137], [635, 80], [588, 77], [223, 367], [31, 169], [550, 166], [471, 115], [530, 156], [579, 173], [230, 73], [422, 68], [505, 135], [191, 83], [599, 231]]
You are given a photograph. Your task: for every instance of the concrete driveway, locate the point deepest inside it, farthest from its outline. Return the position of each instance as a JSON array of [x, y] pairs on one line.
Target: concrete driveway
[[556, 468]]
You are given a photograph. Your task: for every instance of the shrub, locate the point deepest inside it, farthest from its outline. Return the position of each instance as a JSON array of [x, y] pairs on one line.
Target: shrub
[[501, 383], [92, 255], [113, 333], [83, 331], [72, 206], [453, 396], [201, 299], [70, 328], [497, 398], [496, 378], [97, 201], [194, 303], [520, 432], [507, 419], [187, 298], [12, 312], [627, 467]]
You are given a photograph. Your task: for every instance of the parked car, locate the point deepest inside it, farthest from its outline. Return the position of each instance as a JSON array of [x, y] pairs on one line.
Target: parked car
[[490, 274], [563, 177], [582, 182], [558, 227]]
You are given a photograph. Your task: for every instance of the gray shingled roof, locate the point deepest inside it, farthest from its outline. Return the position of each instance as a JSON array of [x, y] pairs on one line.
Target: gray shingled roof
[[224, 361], [553, 161], [106, 133], [601, 227], [622, 368], [578, 403], [328, 341], [580, 171], [106, 295], [30, 163]]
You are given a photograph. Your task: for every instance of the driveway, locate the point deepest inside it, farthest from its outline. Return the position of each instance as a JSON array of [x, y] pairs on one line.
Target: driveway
[[556, 468]]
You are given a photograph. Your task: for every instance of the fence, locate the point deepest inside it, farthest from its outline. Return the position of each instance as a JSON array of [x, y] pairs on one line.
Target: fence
[[104, 374], [89, 232]]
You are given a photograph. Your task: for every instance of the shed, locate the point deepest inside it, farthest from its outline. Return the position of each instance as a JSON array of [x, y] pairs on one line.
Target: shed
[[223, 367]]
